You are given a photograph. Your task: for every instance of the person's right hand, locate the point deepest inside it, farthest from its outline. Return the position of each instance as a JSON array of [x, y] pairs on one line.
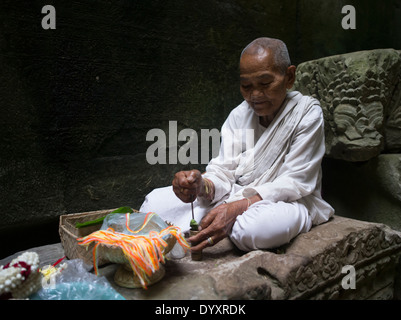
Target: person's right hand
[[187, 185]]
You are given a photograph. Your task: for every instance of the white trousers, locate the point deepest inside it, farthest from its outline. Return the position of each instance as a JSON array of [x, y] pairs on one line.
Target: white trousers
[[265, 225]]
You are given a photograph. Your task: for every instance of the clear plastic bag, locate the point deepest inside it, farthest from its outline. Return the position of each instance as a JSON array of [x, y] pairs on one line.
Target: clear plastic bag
[[136, 220], [77, 283]]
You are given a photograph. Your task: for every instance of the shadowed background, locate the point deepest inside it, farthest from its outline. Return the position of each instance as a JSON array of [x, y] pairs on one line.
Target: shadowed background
[[77, 102]]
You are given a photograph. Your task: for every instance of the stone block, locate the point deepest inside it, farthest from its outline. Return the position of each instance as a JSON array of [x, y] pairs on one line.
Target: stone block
[[368, 191], [360, 94], [310, 267]]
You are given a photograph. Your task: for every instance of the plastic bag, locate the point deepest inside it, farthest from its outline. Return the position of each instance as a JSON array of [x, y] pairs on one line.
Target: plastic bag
[[136, 220], [77, 283]]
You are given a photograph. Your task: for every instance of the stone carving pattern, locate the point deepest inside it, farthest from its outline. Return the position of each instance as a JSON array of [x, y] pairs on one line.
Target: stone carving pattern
[[360, 97], [326, 270], [393, 123]]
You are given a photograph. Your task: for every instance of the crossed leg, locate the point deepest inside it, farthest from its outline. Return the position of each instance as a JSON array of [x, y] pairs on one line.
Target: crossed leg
[[265, 225]]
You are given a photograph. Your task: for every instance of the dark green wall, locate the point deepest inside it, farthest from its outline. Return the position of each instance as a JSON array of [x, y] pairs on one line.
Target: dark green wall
[[78, 101]]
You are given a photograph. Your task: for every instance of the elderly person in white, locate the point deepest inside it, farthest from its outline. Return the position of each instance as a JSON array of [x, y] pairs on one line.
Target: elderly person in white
[[264, 194]]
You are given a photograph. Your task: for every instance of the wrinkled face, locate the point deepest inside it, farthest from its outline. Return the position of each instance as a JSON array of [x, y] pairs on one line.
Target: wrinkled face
[[262, 84]]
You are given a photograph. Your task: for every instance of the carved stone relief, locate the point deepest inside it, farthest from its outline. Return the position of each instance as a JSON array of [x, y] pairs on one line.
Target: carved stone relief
[[372, 249], [360, 94]]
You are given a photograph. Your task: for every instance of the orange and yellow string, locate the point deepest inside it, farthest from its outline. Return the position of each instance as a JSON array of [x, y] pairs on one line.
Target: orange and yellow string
[[144, 253]]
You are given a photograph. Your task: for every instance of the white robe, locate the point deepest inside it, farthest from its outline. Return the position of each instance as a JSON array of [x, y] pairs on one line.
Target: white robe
[[281, 163], [295, 174]]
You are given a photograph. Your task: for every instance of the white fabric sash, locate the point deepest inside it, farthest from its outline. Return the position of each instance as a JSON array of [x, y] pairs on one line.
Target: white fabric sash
[[261, 162]]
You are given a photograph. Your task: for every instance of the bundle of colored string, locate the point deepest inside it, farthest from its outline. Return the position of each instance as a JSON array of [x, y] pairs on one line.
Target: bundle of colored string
[[144, 253]]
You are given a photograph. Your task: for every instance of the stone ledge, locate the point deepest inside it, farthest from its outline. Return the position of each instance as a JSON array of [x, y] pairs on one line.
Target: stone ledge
[[310, 267], [307, 268]]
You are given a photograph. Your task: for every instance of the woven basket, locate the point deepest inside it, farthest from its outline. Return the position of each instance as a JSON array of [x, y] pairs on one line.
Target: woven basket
[[69, 234]]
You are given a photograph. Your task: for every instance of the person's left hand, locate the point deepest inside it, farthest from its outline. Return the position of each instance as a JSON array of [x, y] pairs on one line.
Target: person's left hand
[[217, 224]]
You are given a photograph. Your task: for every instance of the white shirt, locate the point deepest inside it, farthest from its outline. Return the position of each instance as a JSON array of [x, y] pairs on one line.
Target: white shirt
[[298, 172]]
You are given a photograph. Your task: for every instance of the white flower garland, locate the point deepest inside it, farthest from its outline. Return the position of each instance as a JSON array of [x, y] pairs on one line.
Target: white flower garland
[[20, 278]]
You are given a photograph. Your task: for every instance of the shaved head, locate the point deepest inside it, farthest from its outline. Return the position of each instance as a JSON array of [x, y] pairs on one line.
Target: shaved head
[[275, 46]]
